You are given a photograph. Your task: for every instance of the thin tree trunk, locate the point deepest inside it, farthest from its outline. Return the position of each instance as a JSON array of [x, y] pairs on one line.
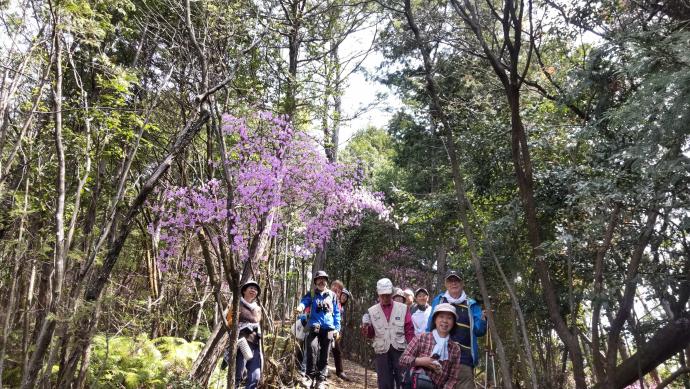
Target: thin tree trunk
[[18, 254], [439, 115], [511, 78], [599, 363], [207, 360], [441, 256], [96, 284], [58, 268]]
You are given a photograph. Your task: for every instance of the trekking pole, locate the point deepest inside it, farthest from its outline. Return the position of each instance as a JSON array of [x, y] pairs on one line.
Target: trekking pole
[[486, 358], [366, 319], [366, 366], [489, 357], [493, 360]]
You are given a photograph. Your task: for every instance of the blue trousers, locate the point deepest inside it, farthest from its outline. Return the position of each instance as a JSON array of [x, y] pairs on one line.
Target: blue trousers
[[253, 367]]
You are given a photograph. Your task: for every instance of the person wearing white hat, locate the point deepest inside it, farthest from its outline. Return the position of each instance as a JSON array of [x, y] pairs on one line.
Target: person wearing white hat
[[435, 352], [389, 324], [249, 355]]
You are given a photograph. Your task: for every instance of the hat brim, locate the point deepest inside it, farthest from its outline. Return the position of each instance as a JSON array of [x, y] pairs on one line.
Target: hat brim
[[384, 291], [433, 317], [247, 285], [453, 276]]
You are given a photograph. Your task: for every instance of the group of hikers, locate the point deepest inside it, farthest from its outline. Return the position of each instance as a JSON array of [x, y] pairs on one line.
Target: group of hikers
[[417, 344]]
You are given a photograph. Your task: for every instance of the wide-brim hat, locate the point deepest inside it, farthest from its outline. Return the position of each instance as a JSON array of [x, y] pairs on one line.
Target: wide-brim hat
[[248, 284], [398, 292], [320, 274], [444, 307]]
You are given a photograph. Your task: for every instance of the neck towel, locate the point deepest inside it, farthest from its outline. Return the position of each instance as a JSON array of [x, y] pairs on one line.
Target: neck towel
[[459, 300], [441, 346]]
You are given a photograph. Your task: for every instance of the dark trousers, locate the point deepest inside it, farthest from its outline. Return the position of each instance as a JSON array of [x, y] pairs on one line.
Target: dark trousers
[[338, 356], [318, 345], [388, 371], [253, 367]]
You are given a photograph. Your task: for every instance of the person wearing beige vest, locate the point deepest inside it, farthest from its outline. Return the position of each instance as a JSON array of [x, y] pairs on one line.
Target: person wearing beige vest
[[389, 324]]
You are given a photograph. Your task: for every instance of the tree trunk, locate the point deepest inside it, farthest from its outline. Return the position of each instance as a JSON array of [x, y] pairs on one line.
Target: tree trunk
[[441, 256], [94, 288], [58, 268], [439, 116], [12, 300], [666, 342], [207, 360]]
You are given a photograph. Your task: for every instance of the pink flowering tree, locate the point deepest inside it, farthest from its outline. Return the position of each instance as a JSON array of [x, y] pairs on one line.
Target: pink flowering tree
[[276, 174], [273, 175]]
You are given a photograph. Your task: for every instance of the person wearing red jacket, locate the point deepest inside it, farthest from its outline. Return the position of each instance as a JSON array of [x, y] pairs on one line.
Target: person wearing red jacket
[[390, 326]]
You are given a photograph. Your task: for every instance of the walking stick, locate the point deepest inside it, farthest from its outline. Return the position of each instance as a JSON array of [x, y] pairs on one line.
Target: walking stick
[[366, 365], [489, 355]]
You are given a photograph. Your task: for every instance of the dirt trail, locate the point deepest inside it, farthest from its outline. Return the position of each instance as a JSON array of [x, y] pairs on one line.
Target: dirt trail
[[355, 372]]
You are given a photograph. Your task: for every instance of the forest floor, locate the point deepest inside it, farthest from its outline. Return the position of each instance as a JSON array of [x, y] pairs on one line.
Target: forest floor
[[355, 372]]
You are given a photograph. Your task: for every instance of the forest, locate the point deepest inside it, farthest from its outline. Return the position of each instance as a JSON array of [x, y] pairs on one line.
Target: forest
[[157, 154]]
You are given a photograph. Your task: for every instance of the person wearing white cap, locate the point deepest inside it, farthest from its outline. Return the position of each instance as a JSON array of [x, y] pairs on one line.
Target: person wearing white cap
[[390, 325], [435, 352]]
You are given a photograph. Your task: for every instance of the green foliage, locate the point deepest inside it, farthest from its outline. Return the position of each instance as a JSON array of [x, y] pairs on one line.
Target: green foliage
[[140, 362]]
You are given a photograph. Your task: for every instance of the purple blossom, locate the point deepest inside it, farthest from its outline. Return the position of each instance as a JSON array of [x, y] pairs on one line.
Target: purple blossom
[[277, 172]]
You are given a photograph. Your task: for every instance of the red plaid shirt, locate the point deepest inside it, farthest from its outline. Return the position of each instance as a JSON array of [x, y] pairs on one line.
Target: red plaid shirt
[[422, 346]]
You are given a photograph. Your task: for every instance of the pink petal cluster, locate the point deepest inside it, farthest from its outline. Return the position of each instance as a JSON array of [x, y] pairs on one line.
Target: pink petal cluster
[[278, 174]]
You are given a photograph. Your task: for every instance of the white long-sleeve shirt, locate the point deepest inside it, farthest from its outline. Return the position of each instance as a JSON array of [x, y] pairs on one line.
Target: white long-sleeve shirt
[[420, 318]]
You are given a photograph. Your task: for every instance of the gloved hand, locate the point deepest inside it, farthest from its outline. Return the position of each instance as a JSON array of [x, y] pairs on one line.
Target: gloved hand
[[299, 309]]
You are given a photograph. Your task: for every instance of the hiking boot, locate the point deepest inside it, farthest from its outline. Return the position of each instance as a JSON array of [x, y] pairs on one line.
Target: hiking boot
[[343, 377], [304, 380], [320, 384]]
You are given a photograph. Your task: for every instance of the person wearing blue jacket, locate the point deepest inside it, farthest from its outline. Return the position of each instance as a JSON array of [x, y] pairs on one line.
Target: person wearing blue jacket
[[323, 326], [470, 324]]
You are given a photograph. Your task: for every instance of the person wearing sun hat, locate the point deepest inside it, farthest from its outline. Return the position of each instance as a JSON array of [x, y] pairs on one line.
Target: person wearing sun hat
[[409, 297], [249, 339], [470, 324], [323, 324], [399, 296], [435, 352]]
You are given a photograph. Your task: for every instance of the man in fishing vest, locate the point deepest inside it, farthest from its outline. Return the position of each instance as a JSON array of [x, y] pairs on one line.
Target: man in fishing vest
[[420, 311], [323, 327], [389, 324], [470, 324]]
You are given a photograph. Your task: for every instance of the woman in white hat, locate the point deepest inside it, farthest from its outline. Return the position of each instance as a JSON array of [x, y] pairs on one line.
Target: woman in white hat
[[434, 352], [249, 349]]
